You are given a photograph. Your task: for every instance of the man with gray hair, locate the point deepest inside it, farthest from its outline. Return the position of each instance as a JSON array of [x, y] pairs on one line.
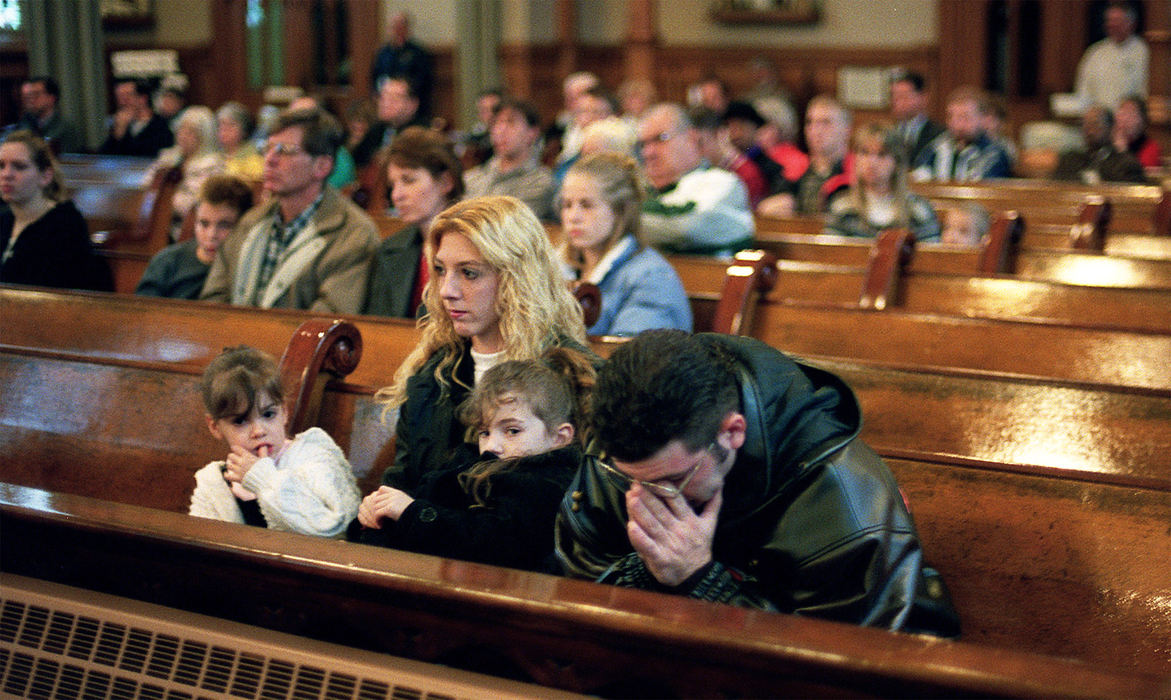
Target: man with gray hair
[[691, 207]]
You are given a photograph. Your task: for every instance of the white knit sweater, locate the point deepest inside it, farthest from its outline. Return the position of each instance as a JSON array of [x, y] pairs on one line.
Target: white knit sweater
[[309, 488]]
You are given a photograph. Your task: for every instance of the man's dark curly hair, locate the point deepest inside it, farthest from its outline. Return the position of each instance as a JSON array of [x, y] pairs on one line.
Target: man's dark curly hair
[[661, 386]]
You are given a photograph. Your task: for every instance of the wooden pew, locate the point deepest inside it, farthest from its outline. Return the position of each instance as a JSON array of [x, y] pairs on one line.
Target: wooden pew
[[992, 297], [129, 222], [1025, 348], [1010, 625], [1136, 208], [561, 633]]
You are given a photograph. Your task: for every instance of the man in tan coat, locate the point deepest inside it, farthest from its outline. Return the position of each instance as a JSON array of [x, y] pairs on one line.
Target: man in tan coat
[[308, 247]]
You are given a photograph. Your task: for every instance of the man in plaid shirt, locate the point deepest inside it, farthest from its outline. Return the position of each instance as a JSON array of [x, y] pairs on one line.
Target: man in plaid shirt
[[308, 247]]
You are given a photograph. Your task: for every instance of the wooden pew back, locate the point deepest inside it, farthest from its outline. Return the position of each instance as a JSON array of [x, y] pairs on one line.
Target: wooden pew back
[[1109, 500], [568, 634]]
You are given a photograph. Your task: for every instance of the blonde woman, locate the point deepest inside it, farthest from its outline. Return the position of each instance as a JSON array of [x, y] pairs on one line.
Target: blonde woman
[[233, 128], [600, 203], [194, 158], [877, 198], [494, 293]]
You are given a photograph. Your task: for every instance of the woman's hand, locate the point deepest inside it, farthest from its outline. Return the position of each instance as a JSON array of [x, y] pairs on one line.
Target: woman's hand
[[386, 502]]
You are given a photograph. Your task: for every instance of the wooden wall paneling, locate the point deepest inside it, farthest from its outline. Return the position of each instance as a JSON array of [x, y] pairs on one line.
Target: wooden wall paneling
[[298, 43], [641, 40], [606, 62], [530, 72], [963, 46], [365, 33], [805, 72], [565, 22], [1158, 36]]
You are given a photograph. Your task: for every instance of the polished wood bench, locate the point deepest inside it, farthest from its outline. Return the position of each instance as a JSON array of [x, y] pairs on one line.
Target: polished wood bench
[[963, 475], [1025, 348], [1136, 208], [949, 294], [1048, 579], [561, 633], [128, 221]]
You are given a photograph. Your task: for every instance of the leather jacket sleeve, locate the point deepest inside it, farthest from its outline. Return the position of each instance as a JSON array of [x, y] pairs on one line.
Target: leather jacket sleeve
[[836, 543]]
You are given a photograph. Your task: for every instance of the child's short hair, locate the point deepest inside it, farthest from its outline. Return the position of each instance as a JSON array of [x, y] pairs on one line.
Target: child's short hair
[[555, 387], [233, 381], [229, 190]]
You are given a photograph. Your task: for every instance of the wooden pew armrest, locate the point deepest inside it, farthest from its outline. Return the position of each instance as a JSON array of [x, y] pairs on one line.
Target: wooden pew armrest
[[753, 273], [319, 351]]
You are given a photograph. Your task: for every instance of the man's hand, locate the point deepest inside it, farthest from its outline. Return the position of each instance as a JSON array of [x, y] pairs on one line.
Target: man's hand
[[386, 502], [121, 122], [671, 539]]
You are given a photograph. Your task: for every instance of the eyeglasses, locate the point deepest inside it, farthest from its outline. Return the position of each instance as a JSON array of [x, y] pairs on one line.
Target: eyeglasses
[[662, 137], [281, 149], [664, 491]]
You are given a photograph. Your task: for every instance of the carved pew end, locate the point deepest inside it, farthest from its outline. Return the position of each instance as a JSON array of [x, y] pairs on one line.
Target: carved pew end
[[998, 254], [889, 257], [1089, 233], [319, 351], [752, 274]]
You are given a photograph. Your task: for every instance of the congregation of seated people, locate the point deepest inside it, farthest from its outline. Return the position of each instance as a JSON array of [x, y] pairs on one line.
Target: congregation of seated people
[[479, 239]]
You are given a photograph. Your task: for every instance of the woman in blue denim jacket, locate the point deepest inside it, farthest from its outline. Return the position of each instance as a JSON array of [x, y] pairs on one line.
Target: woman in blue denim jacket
[[600, 203]]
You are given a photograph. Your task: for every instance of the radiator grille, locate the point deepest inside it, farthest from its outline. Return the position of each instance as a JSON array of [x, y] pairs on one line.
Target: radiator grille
[[61, 642]]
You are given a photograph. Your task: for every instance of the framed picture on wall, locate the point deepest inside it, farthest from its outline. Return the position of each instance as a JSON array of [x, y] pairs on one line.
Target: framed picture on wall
[[127, 13]]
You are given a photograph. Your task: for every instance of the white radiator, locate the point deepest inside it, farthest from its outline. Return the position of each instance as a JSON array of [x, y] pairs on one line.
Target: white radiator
[[63, 642]]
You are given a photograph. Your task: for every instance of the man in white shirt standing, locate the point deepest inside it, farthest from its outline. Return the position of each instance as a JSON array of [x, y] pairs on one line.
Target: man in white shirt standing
[[1117, 65]]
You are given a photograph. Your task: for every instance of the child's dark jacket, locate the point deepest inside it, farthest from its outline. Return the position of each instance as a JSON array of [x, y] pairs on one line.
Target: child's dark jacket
[[515, 529]]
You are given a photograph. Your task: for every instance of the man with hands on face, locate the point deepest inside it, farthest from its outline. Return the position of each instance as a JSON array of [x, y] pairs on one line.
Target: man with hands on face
[[735, 475]]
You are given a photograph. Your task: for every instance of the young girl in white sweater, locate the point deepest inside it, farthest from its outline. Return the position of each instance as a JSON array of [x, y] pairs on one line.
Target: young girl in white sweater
[[301, 484]]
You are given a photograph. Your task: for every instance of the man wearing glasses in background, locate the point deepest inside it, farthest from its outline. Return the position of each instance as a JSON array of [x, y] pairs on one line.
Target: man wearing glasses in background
[[691, 207], [735, 475], [308, 247]]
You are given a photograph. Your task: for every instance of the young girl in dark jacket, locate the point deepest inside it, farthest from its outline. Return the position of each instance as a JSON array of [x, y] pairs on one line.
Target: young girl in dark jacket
[[498, 509]]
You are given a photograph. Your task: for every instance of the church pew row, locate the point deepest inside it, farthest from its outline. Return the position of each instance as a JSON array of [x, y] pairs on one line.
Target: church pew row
[[1118, 431], [1119, 358], [1135, 208], [1001, 624], [560, 633], [1049, 226], [129, 221], [1126, 493], [1000, 296], [1067, 266]]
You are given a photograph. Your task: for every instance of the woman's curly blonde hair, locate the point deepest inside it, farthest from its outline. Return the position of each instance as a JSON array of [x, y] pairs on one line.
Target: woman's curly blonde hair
[[533, 301]]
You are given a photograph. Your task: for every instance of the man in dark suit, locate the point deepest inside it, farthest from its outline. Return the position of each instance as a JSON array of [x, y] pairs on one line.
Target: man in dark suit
[[135, 129], [908, 106], [39, 96]]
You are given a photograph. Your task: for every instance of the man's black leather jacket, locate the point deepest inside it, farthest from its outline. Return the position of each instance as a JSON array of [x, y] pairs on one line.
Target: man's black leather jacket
[[812, 523]]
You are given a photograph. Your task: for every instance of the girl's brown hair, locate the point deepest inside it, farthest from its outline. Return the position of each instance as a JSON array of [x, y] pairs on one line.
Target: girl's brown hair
[[43, 159], [420, 147], [236, 378], [556, 387]]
